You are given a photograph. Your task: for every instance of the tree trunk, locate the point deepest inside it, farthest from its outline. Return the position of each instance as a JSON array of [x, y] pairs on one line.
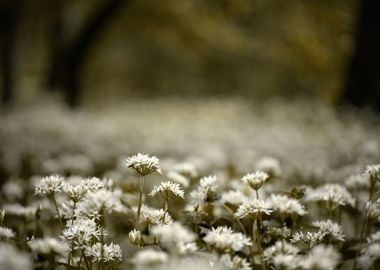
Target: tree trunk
[[363, 82], [68, 65]]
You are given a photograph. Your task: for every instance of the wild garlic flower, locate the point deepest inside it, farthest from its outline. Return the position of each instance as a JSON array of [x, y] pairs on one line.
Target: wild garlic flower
[[280, 247], [321, 257], [254, 208], [357, 182], [369, 256], [374, 172], [331, 196], [186, 169], [206, 191], [135, 237], [310, 239], [94, 184], [48, 246], [50, 185], [235, 262], [96, 202], [12, 259], [270, 165], [75, 192], [373, 210], [82, 232], [155, 216], [255, 180], [181, 242], [6, 233], [166, 188], [224, 239], [282, 255], [330, 229], [19, 210], [286, 261], [144, 164], [375, 237], [179, 178], [104, 253], [233, 197], [150, 258], [286, 206]]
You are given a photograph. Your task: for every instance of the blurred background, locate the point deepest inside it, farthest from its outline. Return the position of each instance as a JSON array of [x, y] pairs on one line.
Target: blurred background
[[230, 81], [106, 51]]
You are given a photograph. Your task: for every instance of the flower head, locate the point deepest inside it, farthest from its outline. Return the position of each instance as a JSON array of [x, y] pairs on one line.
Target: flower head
[[144, 164], [104, 253], [225, 239], [50, 185], [168, 187], [373, 171], [256, 179], [254, 208], [284, 205]]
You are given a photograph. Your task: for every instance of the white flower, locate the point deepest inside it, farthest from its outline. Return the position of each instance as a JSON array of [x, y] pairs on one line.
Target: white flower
[[287, 206], [280, 247], [358, 181], [373, 171], [96, 202], [104, 253], [321, 257], [155, 216], [149, 258], [181, 242], [269, 165], [179, 178], [144, 164], [310, 239], [256, 179], [206, 191], [135, 237], [224, 239], [186, 169], [75, 192], [12, 259], [254, 208], [82, 232], [233, 197], [235, 262], [48, 246], [373, 210], [50, 185], [331, 229], [94, 184], [166, 187], [6, 233], [331, 195], [368, 257], [286, 261]]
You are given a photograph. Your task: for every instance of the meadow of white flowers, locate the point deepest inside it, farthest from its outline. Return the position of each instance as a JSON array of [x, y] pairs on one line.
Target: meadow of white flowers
[[225, 185]]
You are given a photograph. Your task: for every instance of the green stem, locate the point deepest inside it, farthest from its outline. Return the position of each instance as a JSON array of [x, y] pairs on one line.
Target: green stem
[[57, 210], [259, 247], [140, 201], [363, 231], [257, 194], [85, 260]]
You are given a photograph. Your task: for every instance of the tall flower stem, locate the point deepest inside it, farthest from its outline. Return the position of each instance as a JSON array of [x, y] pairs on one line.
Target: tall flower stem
[[57, 210], [258, 239], [140, 201], [364, 228]]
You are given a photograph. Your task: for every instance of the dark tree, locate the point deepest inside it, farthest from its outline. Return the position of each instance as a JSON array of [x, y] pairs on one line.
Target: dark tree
[[69, 58], [9, 18], [363, 81]]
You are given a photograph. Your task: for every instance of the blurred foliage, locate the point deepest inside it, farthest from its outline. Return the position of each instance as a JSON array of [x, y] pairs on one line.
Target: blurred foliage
[[190, 48]]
